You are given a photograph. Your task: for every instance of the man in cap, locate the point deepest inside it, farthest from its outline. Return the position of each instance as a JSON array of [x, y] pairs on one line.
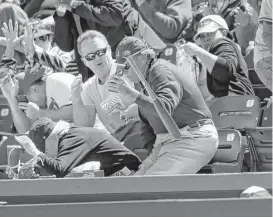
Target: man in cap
[[47, 96], [61, 148], [181, 98], [227, 72]]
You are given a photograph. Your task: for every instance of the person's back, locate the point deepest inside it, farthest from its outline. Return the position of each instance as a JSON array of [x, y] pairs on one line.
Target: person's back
[[83, 145], [191, 107]]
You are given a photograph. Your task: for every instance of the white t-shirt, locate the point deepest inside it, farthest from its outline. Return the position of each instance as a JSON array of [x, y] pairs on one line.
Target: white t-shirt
[[96, 95], [58, 90], [260, 50]]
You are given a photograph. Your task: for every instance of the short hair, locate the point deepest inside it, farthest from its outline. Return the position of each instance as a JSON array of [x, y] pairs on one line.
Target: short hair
[[90, 34], [40, 130]]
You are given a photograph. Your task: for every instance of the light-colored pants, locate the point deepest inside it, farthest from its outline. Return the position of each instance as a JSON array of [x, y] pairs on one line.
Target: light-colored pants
[[186, 155], [264, 71]]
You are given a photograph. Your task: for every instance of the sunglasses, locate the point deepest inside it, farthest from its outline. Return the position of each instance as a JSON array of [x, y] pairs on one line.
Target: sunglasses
[[41, 38], [99, 53]]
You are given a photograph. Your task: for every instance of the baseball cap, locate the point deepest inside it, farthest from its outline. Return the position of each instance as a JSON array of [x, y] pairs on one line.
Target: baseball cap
[[210, 24], [40, 130], [255, 191], [42, 30], [128, 46], [27, 79]]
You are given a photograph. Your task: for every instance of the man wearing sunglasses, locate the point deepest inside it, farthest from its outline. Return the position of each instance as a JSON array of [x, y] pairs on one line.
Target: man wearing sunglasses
[[227, 72], [118, 115]]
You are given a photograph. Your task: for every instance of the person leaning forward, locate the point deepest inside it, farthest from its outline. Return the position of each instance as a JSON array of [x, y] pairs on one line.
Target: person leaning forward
[[181, 98], [60, 148]]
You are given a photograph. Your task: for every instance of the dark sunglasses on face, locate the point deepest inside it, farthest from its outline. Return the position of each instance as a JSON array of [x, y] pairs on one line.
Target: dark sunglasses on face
[[41, 38], [99, 53]]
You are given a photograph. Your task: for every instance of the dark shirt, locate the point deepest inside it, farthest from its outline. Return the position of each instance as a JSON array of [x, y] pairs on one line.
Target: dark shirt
[[230, 73], [178, 93], [81, 145], [105, 16]]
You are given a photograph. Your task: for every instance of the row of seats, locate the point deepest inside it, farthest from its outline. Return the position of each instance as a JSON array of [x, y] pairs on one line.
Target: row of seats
[[235, 117]]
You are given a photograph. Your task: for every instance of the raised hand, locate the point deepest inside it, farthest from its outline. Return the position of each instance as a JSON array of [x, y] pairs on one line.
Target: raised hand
[[11, 33], [9, 87], [28, 39], [76, 88]]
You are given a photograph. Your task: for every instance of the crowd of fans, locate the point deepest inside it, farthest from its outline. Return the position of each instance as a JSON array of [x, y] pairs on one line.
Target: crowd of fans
[[77, 64]]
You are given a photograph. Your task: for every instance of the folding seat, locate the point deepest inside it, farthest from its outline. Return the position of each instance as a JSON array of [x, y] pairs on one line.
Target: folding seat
[[266, 117], [236, 112], [134, 143], [260, 144], [229, 155]]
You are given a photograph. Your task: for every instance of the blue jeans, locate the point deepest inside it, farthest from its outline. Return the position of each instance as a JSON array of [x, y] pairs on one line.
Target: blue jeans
[[186, 155]]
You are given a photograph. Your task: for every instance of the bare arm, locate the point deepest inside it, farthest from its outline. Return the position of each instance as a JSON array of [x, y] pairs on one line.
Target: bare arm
[[64, 113], [267, 34], [83, 115], [21, 121]]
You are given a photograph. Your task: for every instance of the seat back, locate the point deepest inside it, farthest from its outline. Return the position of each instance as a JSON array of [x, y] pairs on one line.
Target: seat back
[[230, 144], [262, 140], [134, 143], [236, 111], [24, 156], [170, 53], [266, 117], [259, 88], [6, 122]]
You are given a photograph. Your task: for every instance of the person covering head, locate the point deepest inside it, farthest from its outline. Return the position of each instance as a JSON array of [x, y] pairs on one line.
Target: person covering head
[[129, 46], [40, 131], [210, 24], [26, 80]]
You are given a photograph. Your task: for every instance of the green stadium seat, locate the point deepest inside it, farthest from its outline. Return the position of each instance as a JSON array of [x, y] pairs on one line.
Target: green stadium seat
[[236, 112], [229, 155], [260, 144]]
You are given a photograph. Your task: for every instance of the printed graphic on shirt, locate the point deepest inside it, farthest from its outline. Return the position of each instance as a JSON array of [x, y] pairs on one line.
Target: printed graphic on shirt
[[53, 104]]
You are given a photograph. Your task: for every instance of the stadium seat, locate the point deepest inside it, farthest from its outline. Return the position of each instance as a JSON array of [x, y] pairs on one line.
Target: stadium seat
[[134, 143], [259, 88], [266, 117], [169, 53], [229, 155], [260, 144], [6, 122], [24, 156], [236, 112]]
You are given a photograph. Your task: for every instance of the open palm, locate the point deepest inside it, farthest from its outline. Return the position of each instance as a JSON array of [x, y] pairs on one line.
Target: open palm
[[11, 33]]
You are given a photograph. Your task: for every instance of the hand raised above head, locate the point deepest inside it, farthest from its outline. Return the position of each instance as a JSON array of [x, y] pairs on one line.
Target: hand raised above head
[[11, 33]]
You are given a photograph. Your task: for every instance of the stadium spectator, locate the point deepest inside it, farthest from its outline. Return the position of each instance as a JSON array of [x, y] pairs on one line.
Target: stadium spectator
[[227, 72], [241, 18], [14, 13], [39, 8], [181, 97], [47, 97], [166, 18], [39, 44], [61, 148], [115, 19], [263, 45], [93, 98]]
